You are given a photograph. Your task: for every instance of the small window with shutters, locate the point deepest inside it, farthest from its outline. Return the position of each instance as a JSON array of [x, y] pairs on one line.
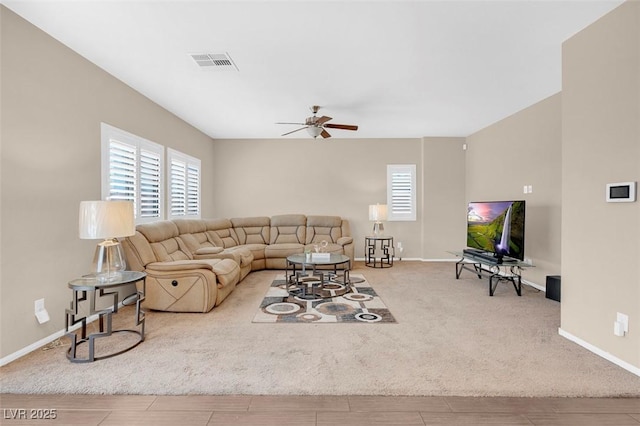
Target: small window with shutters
[[401, 192], [183, 185], [132, 170]]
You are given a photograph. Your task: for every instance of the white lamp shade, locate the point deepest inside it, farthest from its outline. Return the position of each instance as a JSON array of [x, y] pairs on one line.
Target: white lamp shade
[[106, 219], [377, 212]]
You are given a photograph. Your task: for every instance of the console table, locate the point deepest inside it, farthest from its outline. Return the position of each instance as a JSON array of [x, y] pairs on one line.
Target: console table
[[509, 270], [387, 248], [91, 289]]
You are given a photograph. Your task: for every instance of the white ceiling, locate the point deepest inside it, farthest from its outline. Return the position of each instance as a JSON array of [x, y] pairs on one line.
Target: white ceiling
[[396, 68]]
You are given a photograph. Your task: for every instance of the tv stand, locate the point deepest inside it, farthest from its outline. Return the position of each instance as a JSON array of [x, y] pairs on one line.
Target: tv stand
[[484, 255], [498, 269]]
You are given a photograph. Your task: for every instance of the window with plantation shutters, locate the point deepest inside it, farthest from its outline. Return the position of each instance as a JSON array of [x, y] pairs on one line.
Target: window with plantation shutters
[[401, 192], [150, 184], [184, 185], [122, 171], [132, 170]]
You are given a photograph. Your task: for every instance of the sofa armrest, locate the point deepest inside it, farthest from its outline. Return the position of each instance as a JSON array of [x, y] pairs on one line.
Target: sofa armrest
[[344, 240], [179, 265], [209, 250]]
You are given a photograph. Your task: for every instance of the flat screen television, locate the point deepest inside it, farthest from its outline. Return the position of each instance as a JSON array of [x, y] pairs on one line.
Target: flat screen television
[[497, 228]]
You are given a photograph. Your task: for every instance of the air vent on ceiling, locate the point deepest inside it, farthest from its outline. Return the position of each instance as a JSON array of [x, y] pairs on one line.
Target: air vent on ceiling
[[214, 61]]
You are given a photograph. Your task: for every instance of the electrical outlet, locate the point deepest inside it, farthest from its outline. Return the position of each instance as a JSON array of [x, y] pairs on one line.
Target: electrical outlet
[[41, 313], [621, 325], [624, 320], [39, 305]]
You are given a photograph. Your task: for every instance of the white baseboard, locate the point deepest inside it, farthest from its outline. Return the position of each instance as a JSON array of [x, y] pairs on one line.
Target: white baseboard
[[439, 260], [534, 285], [32, 347], [603, 354], [42, 342]]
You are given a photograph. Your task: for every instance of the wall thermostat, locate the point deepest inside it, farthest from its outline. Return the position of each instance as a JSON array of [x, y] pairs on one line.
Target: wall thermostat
[[621, 192]]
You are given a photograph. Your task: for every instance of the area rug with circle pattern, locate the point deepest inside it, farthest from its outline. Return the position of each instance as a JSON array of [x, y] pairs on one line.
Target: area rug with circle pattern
[[360, 304]]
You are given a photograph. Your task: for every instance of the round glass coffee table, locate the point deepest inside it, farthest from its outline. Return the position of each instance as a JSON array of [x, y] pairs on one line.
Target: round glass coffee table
[[311, 277]]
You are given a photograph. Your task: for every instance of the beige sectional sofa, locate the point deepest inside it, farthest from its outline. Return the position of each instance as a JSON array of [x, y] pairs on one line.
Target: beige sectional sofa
[[192, 265]]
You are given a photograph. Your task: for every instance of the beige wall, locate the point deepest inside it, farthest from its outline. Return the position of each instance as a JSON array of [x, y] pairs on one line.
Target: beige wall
[[337, 177], [601, 144], [524, 149], [53, 101], [444, 207]]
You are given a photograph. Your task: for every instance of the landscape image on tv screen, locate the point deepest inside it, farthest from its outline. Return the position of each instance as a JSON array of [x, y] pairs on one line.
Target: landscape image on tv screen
[[497, 227]]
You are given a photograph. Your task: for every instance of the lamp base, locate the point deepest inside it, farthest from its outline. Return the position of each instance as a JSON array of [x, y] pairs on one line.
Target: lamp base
[[109, 261], [378, 229]]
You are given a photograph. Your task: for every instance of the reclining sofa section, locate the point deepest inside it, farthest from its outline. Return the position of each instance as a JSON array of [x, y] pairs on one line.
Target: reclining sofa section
[[192, 265]]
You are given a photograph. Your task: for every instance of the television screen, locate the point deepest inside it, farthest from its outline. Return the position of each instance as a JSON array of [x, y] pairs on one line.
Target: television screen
[[497, 227]]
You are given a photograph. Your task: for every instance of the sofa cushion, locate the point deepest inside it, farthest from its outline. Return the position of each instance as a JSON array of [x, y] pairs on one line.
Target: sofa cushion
[[164, 241], [221, 233], [138, 251], [158, 231], [288, 229], [227, 272], [241, 254], [282, 250], [252, 230], [193, 233], [323, 228], [190, 226]]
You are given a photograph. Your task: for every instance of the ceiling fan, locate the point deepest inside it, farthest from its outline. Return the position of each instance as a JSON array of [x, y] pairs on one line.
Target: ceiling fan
[[316, 126]]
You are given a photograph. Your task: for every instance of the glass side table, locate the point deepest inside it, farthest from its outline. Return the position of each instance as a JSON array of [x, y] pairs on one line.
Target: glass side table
[[387, 251], [88, 289]]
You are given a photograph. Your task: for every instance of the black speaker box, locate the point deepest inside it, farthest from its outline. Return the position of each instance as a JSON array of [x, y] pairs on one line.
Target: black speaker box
[[553, 287]]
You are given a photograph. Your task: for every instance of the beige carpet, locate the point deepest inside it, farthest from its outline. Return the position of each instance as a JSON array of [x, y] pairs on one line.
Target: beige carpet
[[450, 338]]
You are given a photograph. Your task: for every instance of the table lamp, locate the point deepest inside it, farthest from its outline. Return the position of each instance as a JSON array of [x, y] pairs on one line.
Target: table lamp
[[109, 220], [377, 214]]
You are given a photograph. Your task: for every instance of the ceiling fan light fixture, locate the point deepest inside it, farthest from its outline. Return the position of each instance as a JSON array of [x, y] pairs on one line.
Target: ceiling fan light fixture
[[314, 131], [316, 126]]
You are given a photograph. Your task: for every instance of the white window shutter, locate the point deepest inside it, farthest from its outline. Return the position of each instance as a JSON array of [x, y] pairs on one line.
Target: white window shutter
[[184, 185], [122, 171], [401, 192], [150, 184], [193, 190], [178, 188]]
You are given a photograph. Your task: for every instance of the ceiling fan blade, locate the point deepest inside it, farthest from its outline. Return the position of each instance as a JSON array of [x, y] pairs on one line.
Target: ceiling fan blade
[[341, 126], [325, 134], [293, 131], [299, 124], [323, 119]]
